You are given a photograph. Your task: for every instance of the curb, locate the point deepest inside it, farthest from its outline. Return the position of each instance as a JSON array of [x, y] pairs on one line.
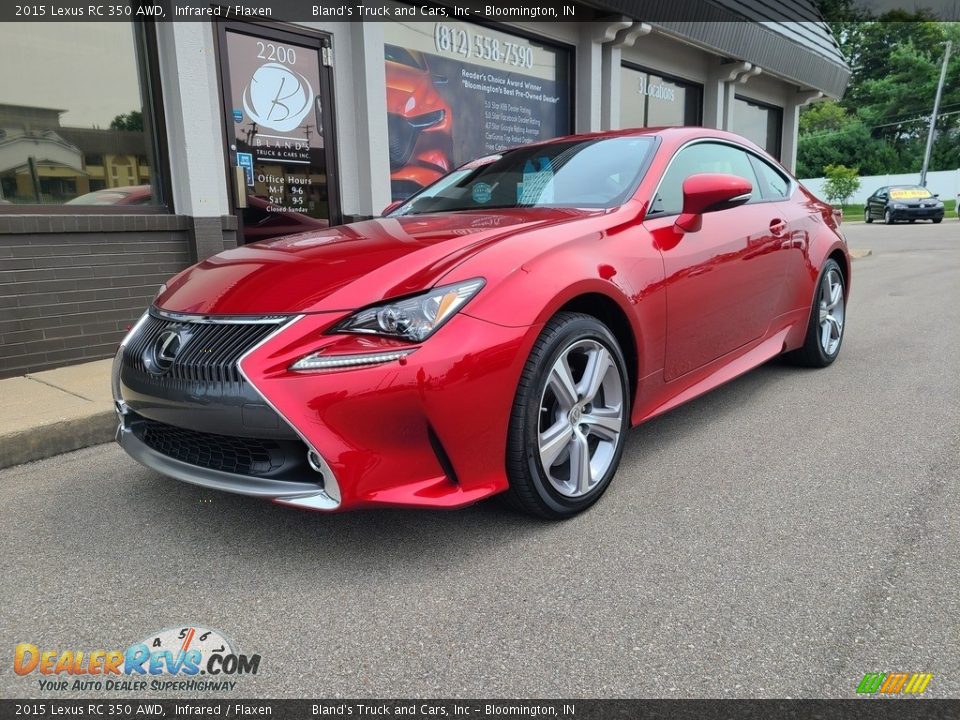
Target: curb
[[31, 444]]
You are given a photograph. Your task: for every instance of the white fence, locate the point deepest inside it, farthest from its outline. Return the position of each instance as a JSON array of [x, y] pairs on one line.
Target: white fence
[[945, 183]]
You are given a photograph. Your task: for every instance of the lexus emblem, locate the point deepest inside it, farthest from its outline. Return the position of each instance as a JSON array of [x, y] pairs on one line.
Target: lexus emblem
[[165, 350]]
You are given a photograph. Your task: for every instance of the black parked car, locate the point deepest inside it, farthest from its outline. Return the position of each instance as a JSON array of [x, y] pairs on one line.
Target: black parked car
[[903, 202]]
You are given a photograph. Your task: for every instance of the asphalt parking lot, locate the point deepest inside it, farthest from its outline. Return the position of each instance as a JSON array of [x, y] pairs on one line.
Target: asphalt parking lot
[[779, 537]]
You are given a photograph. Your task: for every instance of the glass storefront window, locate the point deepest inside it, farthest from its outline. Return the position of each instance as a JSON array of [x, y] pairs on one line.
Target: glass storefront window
[[457, 91], [648, 99], [75, 128], [758, 122]]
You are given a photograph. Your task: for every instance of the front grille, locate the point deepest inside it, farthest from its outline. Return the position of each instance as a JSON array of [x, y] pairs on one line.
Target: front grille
[[402, 138], [209, 351], [242, 456]]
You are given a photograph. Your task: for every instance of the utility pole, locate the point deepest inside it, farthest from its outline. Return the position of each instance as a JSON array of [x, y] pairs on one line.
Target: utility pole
[[933, 116]]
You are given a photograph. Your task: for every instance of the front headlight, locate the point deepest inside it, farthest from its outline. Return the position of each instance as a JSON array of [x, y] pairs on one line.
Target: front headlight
[[428, 119], [898, 206], [414, 318]]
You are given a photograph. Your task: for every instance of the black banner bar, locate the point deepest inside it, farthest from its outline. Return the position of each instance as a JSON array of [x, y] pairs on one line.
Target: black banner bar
[[579, 11], [124, 709]]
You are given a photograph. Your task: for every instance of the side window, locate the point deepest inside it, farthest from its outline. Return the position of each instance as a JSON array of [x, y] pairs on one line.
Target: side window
[[773, 184], [700, 158]]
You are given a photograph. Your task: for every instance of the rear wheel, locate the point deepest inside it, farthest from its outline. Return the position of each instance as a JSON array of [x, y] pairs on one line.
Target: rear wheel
[[827, 320], [569, 418]]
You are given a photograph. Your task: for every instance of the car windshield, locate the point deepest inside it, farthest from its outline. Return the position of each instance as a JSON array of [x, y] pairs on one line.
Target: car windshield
[[592, 173], [399, 55], [910, 193]]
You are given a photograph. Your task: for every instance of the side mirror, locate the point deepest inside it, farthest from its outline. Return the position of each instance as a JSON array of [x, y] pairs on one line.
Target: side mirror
[[710, 192], [391, 207]]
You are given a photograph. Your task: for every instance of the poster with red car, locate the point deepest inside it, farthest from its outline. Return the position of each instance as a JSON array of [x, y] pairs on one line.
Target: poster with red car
[[456, 91]]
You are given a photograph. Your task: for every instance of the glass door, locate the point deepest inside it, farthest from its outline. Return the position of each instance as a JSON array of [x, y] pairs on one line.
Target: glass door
[[277, 113]]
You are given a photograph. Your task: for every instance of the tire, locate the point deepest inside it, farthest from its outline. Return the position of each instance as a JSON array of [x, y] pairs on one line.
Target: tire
[[816, 351], [937, 221], [570, 345], [867, 218], [887, 217]]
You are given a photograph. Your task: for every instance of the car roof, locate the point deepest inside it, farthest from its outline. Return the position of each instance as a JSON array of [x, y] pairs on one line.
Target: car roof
[[674, 135]]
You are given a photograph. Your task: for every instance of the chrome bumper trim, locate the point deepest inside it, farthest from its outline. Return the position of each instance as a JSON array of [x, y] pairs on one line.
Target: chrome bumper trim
[[219, 319], [330, 480], [304, 495], [301, 494]]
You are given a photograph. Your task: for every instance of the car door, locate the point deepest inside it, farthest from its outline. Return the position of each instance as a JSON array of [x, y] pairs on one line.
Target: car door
[[878, 203], [723, 282]]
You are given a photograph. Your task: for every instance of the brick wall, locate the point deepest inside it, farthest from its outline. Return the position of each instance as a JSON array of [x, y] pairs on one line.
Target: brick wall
[[70, 286]]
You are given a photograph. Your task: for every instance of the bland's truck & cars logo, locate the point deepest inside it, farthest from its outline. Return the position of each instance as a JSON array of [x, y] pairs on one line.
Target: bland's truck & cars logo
[[171, 659]]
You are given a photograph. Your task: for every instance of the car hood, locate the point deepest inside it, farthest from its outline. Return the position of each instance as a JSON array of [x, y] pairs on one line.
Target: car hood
[[346, 267], [410, 91]]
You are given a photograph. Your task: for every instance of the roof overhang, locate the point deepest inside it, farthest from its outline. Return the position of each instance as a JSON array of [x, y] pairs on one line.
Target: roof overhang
[[786, 38]]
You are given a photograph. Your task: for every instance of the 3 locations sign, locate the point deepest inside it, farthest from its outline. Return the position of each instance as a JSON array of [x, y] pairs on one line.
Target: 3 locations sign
[[456, 91]]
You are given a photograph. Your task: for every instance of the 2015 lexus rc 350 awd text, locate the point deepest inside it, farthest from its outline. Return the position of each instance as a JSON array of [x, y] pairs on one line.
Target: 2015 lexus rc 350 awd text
[[498, 332]]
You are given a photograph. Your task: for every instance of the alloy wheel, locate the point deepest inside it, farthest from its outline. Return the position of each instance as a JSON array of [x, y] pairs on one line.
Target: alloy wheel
[[581, 418], [831, 311]]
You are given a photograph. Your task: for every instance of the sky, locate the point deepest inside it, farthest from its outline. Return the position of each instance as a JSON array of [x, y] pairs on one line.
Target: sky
[[85, 68]]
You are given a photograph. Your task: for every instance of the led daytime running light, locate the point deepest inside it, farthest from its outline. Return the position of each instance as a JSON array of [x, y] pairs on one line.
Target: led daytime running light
[[319, 361]]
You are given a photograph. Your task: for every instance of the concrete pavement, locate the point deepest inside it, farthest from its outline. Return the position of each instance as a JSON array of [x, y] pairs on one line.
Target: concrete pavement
[[55, 411]]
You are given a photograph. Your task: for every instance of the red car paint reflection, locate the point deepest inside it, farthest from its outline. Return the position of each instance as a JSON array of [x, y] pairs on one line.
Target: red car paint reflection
[[419, 122], [710, 260]]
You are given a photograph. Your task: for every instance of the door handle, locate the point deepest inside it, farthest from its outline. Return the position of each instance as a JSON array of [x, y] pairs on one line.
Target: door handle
[[777, 226]]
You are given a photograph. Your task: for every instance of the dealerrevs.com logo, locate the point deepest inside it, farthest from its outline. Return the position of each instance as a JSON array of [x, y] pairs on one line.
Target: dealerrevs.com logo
[[179, 659]]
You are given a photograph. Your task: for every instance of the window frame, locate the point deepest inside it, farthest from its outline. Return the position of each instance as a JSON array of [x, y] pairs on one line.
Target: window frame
[[779, 113], [148, 73], [716, 141], [768, 195], [675, 79]]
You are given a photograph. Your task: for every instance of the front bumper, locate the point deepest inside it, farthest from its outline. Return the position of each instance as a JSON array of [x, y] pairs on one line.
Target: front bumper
[[305, 494], [916, 213], [425, 431]]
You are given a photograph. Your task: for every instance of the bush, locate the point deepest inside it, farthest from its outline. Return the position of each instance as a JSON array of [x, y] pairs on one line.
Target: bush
[[841, 183]]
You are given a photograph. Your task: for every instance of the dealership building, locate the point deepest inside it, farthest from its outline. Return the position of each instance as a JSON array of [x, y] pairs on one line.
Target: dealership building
[[129, 150]]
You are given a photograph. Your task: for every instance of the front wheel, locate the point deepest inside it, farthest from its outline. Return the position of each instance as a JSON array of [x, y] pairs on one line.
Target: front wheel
[[867, 218], [937, 221], [827, 317], [569, 418], [887, 217]]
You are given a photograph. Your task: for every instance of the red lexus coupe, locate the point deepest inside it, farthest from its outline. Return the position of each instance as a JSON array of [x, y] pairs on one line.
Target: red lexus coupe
[[498, 332], [419, 120]]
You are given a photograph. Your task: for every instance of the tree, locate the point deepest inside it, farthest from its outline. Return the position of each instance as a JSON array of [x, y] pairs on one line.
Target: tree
[[132, 120], [842, 182], [881, 122]]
